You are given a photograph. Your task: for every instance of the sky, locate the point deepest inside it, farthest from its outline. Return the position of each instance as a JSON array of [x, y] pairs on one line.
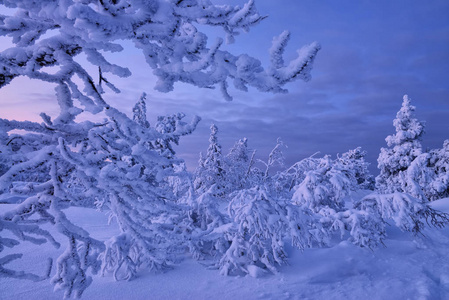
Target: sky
[[373, 52]]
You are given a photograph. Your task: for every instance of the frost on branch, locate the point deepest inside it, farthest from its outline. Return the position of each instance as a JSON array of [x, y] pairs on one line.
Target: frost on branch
[[22, 232], [276, 157], [53, 33], [80, 255]]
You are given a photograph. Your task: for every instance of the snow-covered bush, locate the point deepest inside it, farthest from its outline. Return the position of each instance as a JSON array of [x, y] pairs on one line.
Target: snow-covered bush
[[439, 160], [295, 174], [325, 186], [407, 213], [355, 160], [430, 173], [365, 229], [258, 240], [208, 238], [261, 223]]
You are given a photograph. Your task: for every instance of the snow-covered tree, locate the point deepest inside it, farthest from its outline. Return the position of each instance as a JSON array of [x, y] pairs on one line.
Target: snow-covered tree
[[258, 240], [208, 238], [121, 165], [404, 146], [439, 160], [261, 223], [140, 112], [119, 170], [211, 169], [323, 191], [428, 174], [325, 186], [275, 158], [355, 160], [239, 163]]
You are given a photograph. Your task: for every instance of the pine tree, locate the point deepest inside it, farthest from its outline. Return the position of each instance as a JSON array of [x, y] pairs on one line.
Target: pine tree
[[211, 169], [238, 165], [404, 146], [140, 112]]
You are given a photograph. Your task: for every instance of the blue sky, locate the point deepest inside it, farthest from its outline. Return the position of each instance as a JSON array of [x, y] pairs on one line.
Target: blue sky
[[373, 52]]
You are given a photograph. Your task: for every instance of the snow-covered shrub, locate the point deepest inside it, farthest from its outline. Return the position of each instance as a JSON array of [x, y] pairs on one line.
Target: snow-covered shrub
[[439, 164], [208, 238], [365, 229], [419, 177], [407, 213], [262, 221], [295, 174], [325, 186], [258, 238], [355, 160], [394, 162]]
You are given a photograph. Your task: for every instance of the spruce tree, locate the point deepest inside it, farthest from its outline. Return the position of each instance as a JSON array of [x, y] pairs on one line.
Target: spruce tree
[[211, 167], [404, 147]]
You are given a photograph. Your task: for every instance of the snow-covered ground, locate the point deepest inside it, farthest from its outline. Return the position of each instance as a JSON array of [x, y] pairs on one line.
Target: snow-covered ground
[[407, 268]]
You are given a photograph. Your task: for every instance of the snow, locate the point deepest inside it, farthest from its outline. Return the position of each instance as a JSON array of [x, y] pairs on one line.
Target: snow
[[409, 267]]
